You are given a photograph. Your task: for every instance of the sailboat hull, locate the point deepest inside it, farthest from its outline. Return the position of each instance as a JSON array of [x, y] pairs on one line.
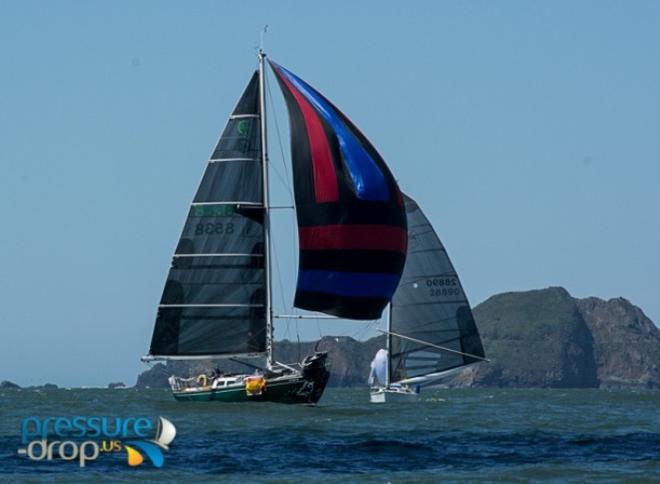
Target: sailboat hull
[[287, 391], [305, 386], [392, 395]]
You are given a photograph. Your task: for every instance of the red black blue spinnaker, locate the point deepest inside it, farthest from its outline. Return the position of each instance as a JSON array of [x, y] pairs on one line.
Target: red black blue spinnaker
[[351, 217]]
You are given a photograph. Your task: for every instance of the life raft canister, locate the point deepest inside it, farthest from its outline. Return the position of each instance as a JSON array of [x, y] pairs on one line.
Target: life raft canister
[[255, 385]]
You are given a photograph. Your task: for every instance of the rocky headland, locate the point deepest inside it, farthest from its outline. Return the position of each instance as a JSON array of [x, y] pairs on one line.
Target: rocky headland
[[540, 338]]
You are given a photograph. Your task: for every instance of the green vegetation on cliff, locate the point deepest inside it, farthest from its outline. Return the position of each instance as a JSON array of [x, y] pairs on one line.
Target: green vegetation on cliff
[[535, 339]]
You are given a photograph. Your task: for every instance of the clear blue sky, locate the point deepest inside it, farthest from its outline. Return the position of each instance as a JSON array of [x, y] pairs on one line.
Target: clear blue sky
[[529, 132]]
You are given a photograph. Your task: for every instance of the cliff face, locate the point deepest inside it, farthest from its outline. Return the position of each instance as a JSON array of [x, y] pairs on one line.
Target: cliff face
[[348, 359], [626, 343], [533, 339], [540, 338]]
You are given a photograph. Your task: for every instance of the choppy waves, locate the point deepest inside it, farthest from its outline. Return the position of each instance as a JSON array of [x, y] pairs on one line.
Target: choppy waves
[[450, 434]]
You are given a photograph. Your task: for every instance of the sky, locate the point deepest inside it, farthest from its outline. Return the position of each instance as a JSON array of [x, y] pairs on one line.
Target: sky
[[528, 132]]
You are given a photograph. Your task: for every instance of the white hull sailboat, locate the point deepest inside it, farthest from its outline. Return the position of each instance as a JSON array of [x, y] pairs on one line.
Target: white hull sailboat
[[431, 333], [393, 394]]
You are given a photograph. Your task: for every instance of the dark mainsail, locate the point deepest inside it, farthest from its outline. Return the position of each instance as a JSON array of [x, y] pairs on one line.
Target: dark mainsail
[[430, 306], [214, 298], [351, 219]]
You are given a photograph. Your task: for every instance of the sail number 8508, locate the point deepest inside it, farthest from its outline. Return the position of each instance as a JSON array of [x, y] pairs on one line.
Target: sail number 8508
[[216, 228]]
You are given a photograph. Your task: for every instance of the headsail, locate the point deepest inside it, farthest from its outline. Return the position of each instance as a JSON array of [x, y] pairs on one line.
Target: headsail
[[213, 301], [378, 373], [429, 306], [351, 219]]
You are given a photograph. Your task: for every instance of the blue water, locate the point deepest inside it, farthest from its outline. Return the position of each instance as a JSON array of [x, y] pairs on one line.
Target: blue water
[[470, 434]]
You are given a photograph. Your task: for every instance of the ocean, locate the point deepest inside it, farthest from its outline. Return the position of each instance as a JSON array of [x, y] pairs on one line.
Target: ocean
[[449, 435]]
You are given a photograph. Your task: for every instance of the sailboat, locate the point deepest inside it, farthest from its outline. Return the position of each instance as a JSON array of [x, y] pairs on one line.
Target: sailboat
[[431, 333], [352, 238]]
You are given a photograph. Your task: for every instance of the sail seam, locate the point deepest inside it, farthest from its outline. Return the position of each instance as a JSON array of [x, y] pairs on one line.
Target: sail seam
[[422, 251], [430, 303], [439, 274], [256, 204]]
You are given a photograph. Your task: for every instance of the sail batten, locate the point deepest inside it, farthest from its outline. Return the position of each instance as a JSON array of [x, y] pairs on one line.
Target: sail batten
[[430, 311], [213, 302], [210, 305], [233, 202], [218, 255], [222, 160]]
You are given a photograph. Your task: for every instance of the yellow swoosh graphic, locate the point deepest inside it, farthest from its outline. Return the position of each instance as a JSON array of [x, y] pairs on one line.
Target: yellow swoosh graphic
[[134, 457]]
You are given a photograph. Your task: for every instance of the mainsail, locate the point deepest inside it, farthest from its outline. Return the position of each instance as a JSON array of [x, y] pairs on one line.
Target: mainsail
[[429, 309], [214, 298], [351, 219]]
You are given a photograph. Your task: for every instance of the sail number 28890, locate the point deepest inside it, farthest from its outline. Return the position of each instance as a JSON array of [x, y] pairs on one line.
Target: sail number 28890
[[443, 286]]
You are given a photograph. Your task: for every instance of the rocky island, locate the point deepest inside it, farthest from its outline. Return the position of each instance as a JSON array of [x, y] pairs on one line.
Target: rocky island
[[541, 338]]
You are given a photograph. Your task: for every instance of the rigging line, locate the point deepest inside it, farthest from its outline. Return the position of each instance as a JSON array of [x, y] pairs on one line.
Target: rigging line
[[286, 181], [279, 280], [431, 345], [357, 335], [363, 329], [275, 254], [294, 249], [289, 179], [281, 178], [370, 326], [279, 139], [359, 331]]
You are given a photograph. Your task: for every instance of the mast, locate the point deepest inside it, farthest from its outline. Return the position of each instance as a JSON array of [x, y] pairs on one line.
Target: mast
[[261, 55], [388, 339]]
